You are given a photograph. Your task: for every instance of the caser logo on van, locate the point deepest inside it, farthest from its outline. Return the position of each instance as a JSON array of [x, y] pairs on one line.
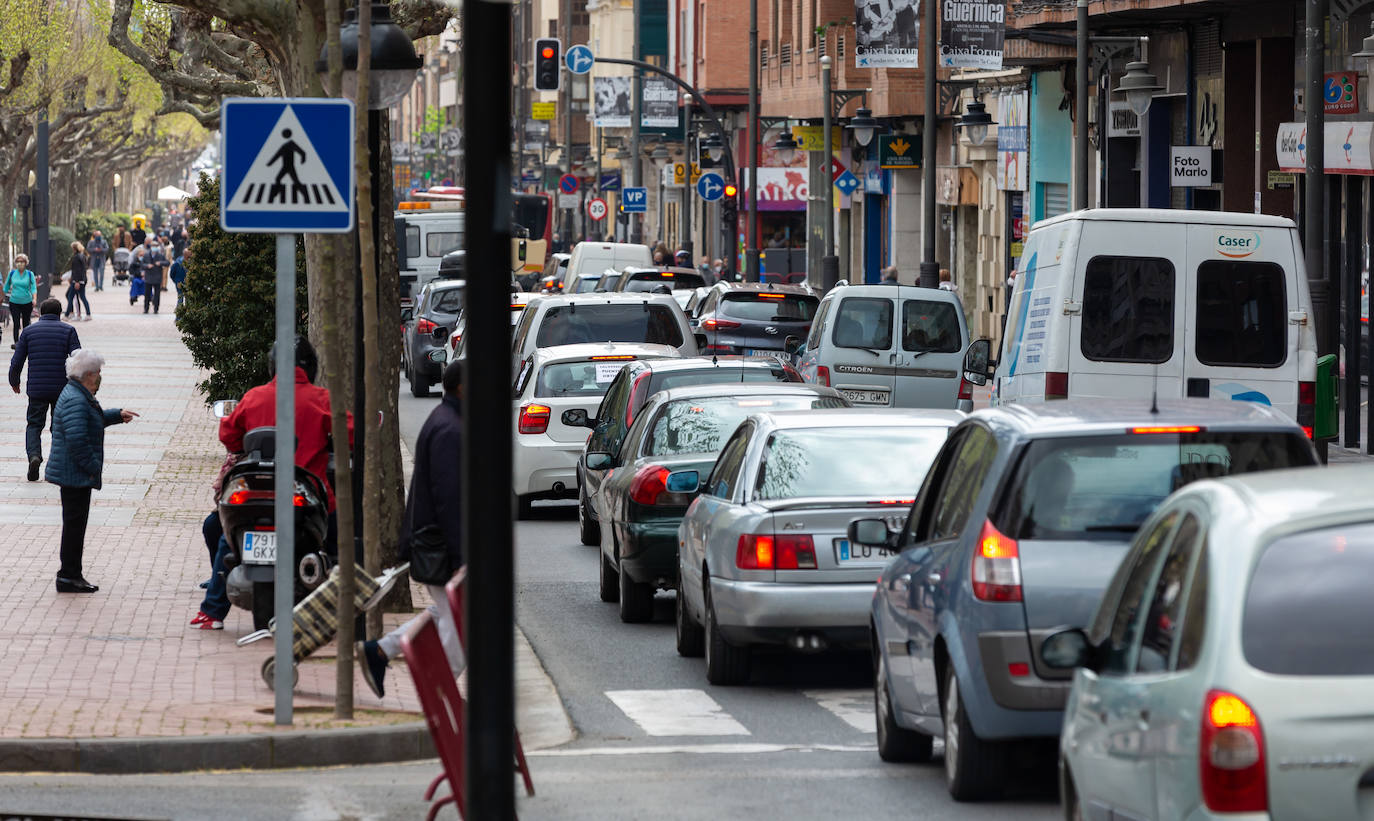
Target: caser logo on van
[[1238, 246]]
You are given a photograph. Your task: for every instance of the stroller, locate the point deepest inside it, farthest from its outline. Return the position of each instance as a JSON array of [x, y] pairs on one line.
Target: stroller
[[120, 261]]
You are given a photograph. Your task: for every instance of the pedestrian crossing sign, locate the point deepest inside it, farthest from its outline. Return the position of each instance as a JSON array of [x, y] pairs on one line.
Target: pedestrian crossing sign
[[288, 165]]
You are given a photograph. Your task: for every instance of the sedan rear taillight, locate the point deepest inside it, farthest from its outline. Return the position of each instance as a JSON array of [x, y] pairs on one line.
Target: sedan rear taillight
[[719, 325], [996, 567], [424, 326], [762, 552], [534, 418], [1231, 756], [649, 484]]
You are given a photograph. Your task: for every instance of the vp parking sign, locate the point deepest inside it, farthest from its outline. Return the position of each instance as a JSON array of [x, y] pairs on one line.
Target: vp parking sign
[[288, 165]]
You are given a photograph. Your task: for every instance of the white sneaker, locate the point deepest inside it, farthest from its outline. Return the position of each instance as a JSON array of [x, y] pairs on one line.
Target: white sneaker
[[86, 318]]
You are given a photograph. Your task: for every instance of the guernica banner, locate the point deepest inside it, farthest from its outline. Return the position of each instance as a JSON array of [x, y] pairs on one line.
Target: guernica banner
[[658, 106], [887, 33], [972, 33]]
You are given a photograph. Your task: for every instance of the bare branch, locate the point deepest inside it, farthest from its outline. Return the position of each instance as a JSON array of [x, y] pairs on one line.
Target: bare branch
[[161, 69], [422, 18]]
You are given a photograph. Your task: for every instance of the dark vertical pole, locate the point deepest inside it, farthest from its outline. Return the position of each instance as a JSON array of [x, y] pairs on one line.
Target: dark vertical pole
[[686, 204], [487, 525], [565, 100], [1080, 142], [636, 221], [1314, 207], [1354, 263], [41, 265], [751, 161], [930, 268], [1369, 361]]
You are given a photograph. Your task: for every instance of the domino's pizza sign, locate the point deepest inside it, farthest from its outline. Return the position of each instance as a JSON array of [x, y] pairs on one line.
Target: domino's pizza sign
[[288, 165]]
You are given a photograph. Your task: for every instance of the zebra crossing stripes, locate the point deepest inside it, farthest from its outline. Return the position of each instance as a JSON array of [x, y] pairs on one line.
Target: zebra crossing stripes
[[688, 712], [853, 707]]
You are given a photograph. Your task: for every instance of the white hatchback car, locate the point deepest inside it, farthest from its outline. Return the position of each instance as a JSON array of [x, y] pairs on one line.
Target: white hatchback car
[[549, 382], [1229, 671]]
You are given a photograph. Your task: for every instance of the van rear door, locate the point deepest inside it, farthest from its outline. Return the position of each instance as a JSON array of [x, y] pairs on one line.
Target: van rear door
[[1127, 312], [864, 360], [1240, 343], [930, 352]]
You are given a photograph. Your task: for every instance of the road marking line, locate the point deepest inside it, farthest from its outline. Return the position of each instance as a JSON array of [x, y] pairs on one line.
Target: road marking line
[[675, 712], [854, 707], [706, 749]]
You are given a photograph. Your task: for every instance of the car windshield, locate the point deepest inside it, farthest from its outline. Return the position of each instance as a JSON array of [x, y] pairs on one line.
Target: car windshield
[[628, 322], [587, 378], [1102, 487], [648, 281], [769, 307], [702, 425], [1308, 609], [872, 462]]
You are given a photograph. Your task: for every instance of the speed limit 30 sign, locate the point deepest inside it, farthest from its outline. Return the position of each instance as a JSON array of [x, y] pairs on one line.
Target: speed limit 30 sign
[[596, 208]]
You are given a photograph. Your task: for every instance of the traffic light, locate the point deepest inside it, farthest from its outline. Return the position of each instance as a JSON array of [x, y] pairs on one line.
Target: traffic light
[[548, 56], [731, 191], [729, 208]]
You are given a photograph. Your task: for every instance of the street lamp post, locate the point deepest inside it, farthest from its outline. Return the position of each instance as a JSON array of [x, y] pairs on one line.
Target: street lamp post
[[114, 192], [1080, 145], [930, 268], [830, 264]]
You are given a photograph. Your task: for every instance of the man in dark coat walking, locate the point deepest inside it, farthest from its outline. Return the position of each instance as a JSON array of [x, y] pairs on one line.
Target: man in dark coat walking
[[46, 344], [435, 486]]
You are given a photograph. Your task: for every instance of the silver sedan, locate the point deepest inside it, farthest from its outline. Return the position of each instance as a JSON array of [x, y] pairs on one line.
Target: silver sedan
[[1229, 671], [763, 557]]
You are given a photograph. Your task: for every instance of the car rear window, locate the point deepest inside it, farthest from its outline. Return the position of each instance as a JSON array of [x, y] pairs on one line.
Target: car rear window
[[1242, 314], [870, 462], [864, 322], [1102, 487], [702, 425], [1128, 309], [1308, 609], [649, 280], [719, 376], [591, 377], [633, 322], [930, 326], [766, 307], [447, 301]]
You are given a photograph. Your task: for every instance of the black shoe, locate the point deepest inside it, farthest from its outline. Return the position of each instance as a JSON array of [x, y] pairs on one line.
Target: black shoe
[[75, 586], [374, 665], [34, 462], [205, 585]]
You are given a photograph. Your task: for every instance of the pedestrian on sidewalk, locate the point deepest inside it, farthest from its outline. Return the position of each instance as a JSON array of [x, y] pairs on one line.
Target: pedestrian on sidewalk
[[77, 459], [154, 275], [97, 247], [137, 264], [46, 345], [20, 287], [431, 515], [76, 283], [178, 275]]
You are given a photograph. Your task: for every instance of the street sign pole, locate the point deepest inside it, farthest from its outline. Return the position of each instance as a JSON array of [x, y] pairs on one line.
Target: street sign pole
[[284, 478]]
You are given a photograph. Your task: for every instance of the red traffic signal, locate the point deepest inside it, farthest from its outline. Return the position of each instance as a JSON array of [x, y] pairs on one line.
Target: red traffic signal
[[731, 190], [547, 63], [547, 53]]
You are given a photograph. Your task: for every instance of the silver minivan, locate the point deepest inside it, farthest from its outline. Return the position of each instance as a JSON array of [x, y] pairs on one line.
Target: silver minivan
[[895, 346]]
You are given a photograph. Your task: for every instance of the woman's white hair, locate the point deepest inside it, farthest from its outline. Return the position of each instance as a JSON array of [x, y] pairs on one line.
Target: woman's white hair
[[83, 363]]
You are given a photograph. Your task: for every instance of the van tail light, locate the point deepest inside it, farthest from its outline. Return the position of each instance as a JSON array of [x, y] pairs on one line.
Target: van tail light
[[649, 484], [424, 326], [1056, 385], [534, 418], [1307, 407], [822, 375], [996, 567], [965, 389], [719, 325], [1231, 757], [788, 552]]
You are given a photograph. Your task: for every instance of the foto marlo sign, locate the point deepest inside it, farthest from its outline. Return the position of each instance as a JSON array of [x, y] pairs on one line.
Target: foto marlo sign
[[1192, 166]]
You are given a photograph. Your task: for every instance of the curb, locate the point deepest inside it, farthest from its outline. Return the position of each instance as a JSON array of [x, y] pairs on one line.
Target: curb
[[171, 754]]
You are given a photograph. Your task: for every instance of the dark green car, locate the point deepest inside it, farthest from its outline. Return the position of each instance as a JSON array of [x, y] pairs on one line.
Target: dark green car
[[680, 429]]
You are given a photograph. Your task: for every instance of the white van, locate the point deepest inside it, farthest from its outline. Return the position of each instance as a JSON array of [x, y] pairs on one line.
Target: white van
[[425, 231], [1119, 303], [596, 257]]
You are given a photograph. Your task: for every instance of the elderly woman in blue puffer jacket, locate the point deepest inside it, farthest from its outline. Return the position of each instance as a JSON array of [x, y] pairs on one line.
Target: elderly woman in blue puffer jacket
[[77, 458]]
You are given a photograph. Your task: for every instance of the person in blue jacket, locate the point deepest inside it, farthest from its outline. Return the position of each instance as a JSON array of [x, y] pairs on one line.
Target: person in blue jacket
[[78, 458], [46, 344]]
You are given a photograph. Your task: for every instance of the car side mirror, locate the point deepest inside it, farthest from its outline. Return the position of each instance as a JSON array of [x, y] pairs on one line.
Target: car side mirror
[[440, 333], [598, 460], [871, 532], [407, 314], [792, 345], [1067, 649], [683, 481], [223, 407], [977, 368], [578, 418]]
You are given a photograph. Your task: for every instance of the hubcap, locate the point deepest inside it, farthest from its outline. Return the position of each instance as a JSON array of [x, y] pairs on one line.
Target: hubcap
[[951, 729]]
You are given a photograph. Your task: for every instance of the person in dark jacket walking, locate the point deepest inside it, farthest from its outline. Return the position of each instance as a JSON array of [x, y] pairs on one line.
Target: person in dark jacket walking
[[98, 248], [76, 284], [78, 458], [434, 488], [154, 275], [46, 344]]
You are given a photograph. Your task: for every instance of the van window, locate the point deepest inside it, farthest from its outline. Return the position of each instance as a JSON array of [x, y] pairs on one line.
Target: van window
[[572, 324], [864, 322], [1128, 309], [412, 241], [930, 326], [1242, 314], [813, 340], [438, 243]]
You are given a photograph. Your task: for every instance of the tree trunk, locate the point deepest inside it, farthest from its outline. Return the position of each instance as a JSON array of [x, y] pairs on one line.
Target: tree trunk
[[393, 489]]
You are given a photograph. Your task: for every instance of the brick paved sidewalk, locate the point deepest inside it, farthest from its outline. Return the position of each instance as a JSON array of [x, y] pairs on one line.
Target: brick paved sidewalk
[[122, 662]]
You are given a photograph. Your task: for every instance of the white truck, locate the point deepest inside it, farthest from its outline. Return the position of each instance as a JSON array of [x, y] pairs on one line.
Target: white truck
[[431, 226]]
